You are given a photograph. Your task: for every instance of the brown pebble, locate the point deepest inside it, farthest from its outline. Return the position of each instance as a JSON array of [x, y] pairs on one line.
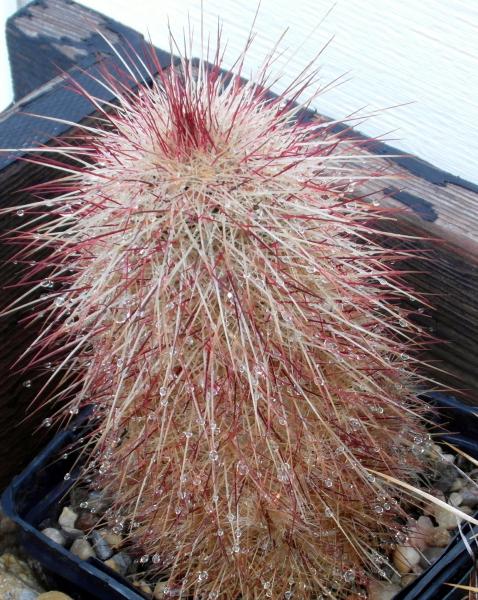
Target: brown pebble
[[113, 539], [438, 537], [54, 596], [86, 521]]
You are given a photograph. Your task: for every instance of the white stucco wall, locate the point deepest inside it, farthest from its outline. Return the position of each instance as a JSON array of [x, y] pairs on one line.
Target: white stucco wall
[[395, 51]]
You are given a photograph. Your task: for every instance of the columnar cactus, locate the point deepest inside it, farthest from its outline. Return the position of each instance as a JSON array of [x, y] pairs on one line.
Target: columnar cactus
[[225, 302]]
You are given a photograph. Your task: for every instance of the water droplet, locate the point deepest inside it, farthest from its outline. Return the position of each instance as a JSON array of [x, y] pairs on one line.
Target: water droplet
[[220, 532], [144, 559], [349, 576], [163, 391], [27, 383], [355, 424], [378, 509], [213, 455], [328, 483], [236, 548], [84, 504], [67, 476], [188, 434], [47, 283], [20, 212], [156, 558], [60, 300], [288, 595], [266, 585], [242, 468], [328, 512], [202, 576], [400, 537]]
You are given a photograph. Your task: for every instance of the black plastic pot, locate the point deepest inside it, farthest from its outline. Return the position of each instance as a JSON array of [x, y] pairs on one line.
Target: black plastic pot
[[35, 495], [456, 563]]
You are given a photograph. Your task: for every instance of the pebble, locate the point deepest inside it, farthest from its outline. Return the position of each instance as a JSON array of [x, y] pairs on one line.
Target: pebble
[[55, 535], [54, 596], [86, 521], [455, 499], [17, 580], [6, 524], [143, 587], [72, 534], [82, 548], [377, 590], [405, 558], [114, 539], [97, 502], [446, 474], [457, 485], [28, 595], [418, 531], [67, 519], [102, 548], [438, 537], [158, 592], [119, 562], [445, 518], [77, 496], [470, 496]]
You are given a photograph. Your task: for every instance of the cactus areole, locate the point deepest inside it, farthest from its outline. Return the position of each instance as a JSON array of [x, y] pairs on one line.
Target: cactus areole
[[215, 290]]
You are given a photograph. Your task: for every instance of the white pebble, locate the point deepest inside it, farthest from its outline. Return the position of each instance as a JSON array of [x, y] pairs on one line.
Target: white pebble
[[54, 535], [68, 517], [418, 531], [457, 485], [445, 518], [82, 549], [455, 499], [405, 558]]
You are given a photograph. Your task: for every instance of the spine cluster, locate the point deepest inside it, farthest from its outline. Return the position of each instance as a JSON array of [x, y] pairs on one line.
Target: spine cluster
[[227, 306]]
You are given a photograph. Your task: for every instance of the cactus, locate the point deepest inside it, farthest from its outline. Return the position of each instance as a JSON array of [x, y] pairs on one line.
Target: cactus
[[225, 302]]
